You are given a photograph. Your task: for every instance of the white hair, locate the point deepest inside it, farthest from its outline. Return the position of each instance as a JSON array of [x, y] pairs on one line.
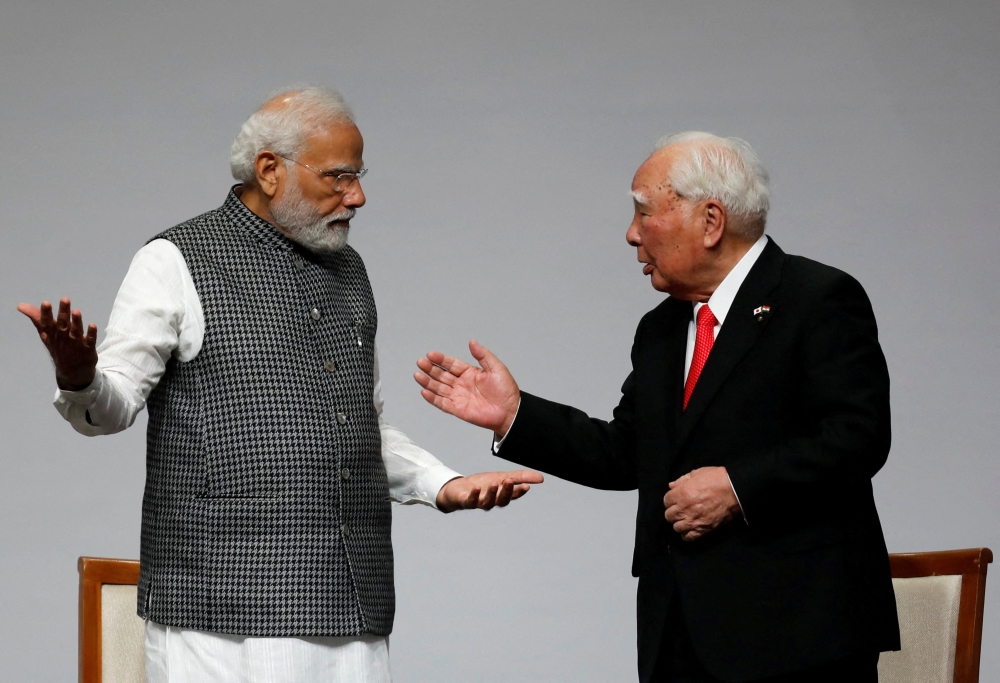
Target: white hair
[[283, 130], [726, 169]]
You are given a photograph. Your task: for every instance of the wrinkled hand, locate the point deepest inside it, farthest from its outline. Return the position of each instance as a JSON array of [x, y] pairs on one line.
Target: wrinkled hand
[[73, 352], [700, 502], [486, 396], [486, 490]]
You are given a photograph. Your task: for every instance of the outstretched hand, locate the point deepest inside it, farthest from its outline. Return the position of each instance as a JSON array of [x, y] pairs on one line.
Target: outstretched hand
[[73, 352], [486, 396], [486, 490]]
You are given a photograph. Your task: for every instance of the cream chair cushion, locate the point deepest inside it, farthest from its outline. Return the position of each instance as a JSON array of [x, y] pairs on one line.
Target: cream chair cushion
[[928, 628], [123, 636]]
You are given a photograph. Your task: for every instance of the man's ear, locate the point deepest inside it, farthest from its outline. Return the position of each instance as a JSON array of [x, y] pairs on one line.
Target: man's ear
[[714, 214], [266, 167]]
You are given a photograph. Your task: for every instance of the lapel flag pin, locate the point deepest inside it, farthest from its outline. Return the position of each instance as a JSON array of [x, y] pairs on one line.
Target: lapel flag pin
[[761, 309]]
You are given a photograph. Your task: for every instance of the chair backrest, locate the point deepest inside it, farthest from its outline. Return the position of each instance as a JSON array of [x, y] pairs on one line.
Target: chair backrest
[[112, 636], [939, 598]]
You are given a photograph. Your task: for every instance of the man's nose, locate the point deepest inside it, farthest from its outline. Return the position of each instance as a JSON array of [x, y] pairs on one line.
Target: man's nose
[[354, 198], [632, 234]]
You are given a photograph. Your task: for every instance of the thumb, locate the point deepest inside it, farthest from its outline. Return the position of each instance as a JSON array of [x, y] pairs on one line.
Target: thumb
[[32, 312], [680, 480], [481, 354]]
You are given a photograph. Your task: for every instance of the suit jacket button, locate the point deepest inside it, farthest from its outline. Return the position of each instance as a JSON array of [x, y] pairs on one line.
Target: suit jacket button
[[330, 366], [341, 419], [345, 473], [316, 315]]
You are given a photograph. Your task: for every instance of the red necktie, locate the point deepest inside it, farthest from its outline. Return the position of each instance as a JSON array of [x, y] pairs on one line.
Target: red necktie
[[703, 341]]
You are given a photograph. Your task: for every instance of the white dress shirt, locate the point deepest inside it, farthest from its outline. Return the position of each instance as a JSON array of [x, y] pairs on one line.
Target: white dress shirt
[[722, 298], [157, 315]]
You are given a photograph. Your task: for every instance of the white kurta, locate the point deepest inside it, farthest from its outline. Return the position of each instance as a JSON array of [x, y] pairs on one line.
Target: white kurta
[[157, 314]]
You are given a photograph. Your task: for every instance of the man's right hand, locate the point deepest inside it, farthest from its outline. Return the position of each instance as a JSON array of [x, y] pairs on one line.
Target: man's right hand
[[486, 396], [73, 352]]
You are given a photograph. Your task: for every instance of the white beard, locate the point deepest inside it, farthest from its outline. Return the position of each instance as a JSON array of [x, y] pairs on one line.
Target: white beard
[[304, 224]]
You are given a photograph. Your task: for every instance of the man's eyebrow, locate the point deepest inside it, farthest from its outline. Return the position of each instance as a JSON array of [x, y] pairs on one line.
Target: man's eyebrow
[[343, 168], [639, 197]]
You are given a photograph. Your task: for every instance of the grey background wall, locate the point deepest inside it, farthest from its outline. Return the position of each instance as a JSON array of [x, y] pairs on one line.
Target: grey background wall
[[502, 139]]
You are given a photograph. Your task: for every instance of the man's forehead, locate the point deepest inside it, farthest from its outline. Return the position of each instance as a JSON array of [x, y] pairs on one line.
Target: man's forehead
[[650, 181], [338, 139], [337, 131]]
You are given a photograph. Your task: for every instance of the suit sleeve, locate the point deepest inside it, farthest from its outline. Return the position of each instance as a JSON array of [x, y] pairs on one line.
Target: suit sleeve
[[566, 442], [845, 398]]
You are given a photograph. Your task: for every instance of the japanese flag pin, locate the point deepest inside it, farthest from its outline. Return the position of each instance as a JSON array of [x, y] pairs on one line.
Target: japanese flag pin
[[760, 311]]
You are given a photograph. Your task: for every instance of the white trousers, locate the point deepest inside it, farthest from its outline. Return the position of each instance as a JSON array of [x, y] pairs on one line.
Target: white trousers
[[177, 655]]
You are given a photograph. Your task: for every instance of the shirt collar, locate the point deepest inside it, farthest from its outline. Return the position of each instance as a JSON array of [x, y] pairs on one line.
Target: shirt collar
[[722, 297]]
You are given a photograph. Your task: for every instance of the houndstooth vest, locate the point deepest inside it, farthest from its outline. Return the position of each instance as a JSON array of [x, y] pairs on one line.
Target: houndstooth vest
[[266, 510]]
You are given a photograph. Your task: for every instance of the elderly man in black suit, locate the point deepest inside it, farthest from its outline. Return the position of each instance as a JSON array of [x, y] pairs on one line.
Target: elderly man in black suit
[[755, 416]]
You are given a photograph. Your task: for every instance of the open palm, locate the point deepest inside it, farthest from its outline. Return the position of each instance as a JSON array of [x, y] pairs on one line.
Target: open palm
[[486, 396], [73, 350]]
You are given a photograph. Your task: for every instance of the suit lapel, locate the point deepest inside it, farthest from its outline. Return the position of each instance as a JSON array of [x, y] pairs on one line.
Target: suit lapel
[[671, 381], [738, 334], [662, 376]]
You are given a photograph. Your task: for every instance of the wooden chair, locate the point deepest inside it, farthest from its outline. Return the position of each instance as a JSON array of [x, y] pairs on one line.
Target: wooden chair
[[112, 636], [939, 597]]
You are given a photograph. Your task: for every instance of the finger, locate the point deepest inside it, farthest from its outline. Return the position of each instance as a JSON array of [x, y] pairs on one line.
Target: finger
[[489, 499], [32, 312], [433, 385], [520, 490], [426, 365], [669, 499], [472, 500], [438, 402], [76, 325], [672, 514], [62, 321], [682, 527], [441, 375], [525, 476], [46, 315], [505, 493], [449, 363], [91, 339]]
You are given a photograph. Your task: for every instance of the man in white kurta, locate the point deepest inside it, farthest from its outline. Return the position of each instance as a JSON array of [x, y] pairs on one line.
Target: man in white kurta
[[158, 316]]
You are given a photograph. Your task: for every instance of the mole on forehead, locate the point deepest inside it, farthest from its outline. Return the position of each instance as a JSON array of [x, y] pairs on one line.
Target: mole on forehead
[[644, 195]]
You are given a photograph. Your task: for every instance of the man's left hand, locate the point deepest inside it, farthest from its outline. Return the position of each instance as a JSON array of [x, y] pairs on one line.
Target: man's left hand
[[486, 490], [700, 501]]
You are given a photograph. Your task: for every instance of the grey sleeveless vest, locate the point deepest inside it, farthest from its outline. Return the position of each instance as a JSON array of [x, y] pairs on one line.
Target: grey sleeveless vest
[[266, 509]]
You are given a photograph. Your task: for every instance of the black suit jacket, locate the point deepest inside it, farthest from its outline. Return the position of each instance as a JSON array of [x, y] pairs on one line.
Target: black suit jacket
[[794, 402]]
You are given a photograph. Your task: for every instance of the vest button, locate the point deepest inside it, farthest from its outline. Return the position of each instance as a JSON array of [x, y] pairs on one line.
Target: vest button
[[341, 419], [300, 264], [345, 473], [344, 531], [330, 366], [316, 315]]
